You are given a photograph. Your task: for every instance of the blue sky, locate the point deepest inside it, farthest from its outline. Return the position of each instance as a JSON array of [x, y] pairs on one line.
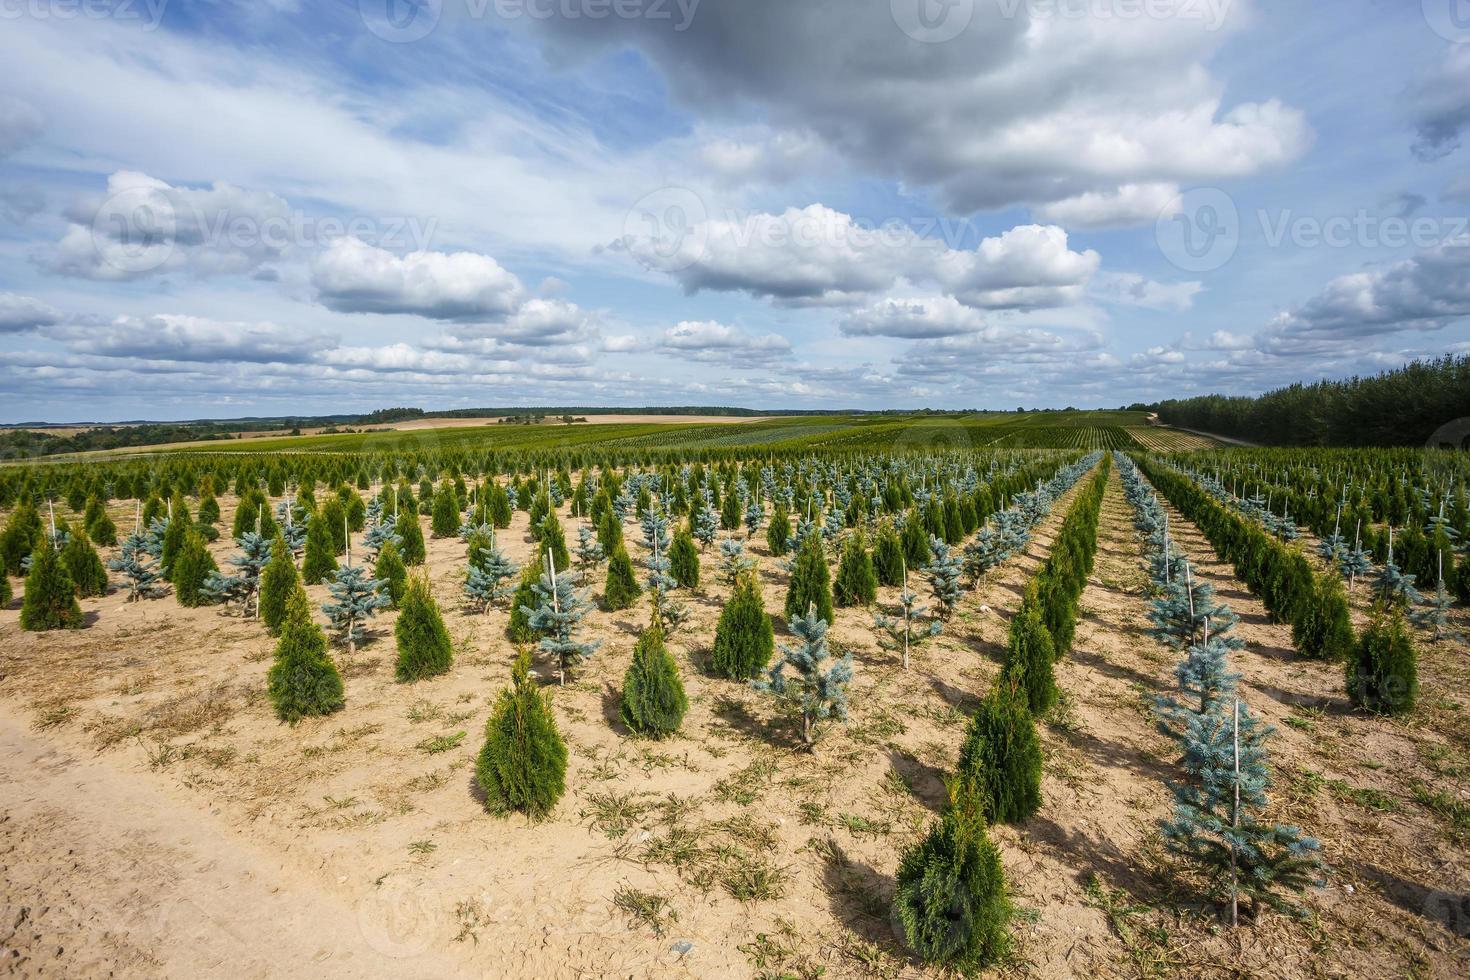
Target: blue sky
[[222, 208]]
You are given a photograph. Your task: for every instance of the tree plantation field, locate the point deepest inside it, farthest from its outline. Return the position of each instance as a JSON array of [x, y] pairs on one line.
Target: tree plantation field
[[1036, 430], [797, 697]]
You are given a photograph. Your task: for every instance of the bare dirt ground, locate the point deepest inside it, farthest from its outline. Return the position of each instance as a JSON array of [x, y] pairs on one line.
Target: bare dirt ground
[[158, 819]]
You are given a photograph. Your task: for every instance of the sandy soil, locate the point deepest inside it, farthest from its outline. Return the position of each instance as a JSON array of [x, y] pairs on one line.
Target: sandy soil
[[154, 804]]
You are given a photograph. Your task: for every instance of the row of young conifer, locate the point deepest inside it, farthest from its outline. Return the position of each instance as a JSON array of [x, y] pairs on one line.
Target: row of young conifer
[[1218, 825], [952, 898], [1381, 665]]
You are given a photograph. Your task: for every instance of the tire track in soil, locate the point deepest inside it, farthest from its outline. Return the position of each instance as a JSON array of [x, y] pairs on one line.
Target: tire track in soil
[[105, 873]]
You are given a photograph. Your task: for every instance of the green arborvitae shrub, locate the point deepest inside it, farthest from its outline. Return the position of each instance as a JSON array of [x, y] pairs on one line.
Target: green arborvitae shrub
[[499, 506], [173, 540], [84, 566], [1383, 673], [390, 568], [1030, 653], [653, 694], [303, 680], [1059, 611], [51, 597], [319, 560], [778, 532], [915, 542], [411, 548], [811, 582], [519, 630], [424, 649], [209, 510], [856, 583], [622, 588], [22, 534], [951, 895], [192, 566], [278, 582], [684, 559], [334, 518], [99, 526], [609, 532], [102, 530], [6, 595], [1000, 761], [523, 765], [744, 637], [888, 563], [554, 542], [1324, 631], [444, 519]]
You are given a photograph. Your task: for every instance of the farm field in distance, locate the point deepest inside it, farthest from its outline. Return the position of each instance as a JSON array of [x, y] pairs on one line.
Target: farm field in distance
[[1035, 430], [203, 777]]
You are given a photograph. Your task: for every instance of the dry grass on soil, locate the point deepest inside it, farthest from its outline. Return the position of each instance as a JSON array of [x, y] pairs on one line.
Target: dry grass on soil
[[719, 852]]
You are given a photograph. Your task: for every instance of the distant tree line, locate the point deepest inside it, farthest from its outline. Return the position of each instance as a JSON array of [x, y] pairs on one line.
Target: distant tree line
[[1404, 407]]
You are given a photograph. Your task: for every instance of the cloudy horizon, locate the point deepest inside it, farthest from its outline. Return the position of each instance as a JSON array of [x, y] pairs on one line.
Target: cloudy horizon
[[230, 208]]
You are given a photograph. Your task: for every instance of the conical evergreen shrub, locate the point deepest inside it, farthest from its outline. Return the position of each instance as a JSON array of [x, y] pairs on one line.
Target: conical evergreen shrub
[[101, 529], [411, 548], [888, 562], [951, 897], [653, 694], [444, 520], [303, 681], [744, 637], [915, 542], [278, 581], [22, 534], [684, 559], [811, 582], [1383, 672], [778, 532], [523, 763], [192, 566], [173, 540], [424, 648], [857, 582], [6, 595], [320, 558], [1058, 612], [1324, 631], [609, 531], [553, 542], [1000, 761], [84, 566], [1030, 653], [390, 568], [51, 597], [622, 588], [519, 629]]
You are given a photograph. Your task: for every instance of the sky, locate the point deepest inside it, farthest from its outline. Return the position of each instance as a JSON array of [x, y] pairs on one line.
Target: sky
[[219, 208]]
